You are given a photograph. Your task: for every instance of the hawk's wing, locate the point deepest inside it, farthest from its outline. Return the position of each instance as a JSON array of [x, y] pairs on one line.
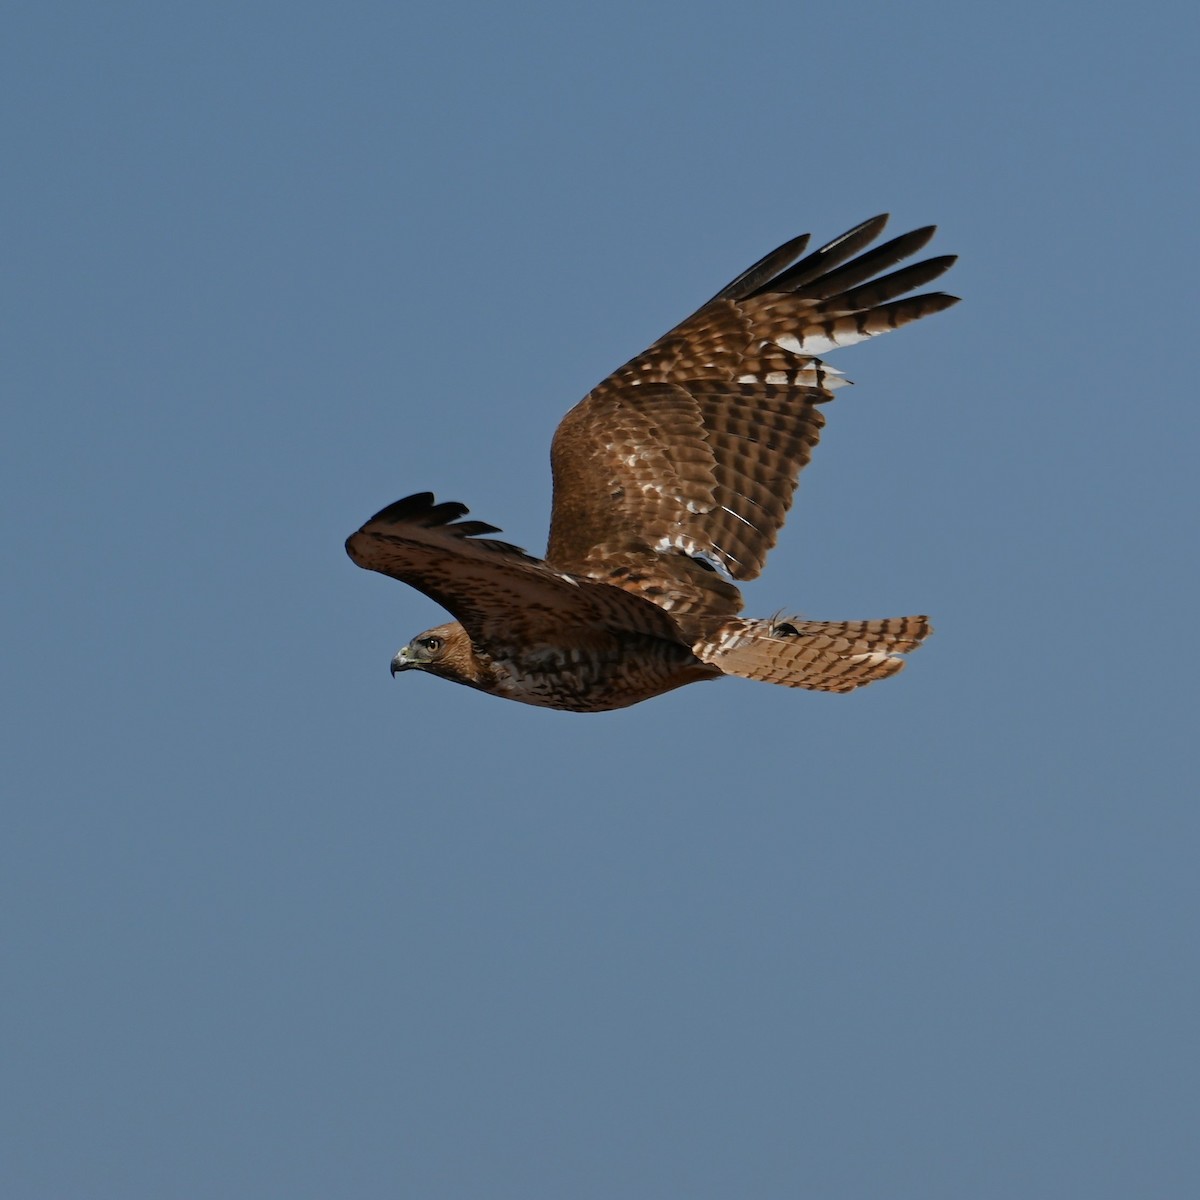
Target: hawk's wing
[[504, 597], [682, 464]]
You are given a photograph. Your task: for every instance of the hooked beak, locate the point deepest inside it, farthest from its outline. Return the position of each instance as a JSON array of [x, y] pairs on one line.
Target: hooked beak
[[401, 662]]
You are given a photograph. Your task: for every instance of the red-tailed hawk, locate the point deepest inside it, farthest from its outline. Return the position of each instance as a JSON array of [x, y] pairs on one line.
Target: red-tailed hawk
[[672, 480]]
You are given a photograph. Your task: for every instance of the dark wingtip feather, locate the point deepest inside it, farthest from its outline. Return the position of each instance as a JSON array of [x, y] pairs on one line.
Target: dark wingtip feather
[[826, 257], [765, 269], [865, 266], [422, 510], [865, 231], [940, 301], [881, 289], [475, 528]]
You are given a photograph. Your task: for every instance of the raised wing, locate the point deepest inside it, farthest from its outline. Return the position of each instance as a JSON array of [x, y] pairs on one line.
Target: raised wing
[[681, 466], [503, 596]]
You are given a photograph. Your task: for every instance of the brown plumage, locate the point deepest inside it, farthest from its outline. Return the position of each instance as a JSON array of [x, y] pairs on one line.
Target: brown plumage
[[672, 480]]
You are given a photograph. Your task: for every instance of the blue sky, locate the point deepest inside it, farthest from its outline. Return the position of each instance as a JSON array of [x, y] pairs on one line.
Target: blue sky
[[278, 926]]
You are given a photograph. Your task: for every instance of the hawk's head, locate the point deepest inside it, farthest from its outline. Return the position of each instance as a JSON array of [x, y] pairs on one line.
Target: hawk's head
[[446, 651]]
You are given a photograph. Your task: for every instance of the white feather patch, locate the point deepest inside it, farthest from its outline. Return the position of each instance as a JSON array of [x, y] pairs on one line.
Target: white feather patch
[[692, 549], [819, 342]]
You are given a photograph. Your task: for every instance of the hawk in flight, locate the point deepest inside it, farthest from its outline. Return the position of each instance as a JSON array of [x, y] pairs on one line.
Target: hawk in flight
[[672, 480]]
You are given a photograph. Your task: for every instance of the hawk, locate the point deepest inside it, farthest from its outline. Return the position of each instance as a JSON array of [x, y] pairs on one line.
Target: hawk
[[672, 479]]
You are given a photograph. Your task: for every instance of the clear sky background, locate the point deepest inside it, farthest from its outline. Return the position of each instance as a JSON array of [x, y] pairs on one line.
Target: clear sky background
[[277, 925]]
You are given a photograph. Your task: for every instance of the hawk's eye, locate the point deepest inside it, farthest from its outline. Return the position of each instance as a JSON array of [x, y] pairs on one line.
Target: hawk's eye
[[432, 644]]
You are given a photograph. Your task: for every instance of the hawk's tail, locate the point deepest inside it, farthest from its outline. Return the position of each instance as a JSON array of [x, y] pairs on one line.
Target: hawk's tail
[[823, 656]]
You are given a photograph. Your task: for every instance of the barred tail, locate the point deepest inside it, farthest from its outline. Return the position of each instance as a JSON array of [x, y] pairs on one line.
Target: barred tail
[[823, 656]]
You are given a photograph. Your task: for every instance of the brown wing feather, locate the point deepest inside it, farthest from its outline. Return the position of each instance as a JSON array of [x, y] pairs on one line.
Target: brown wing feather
[[687, 457], [694, 478], [504, 597]]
